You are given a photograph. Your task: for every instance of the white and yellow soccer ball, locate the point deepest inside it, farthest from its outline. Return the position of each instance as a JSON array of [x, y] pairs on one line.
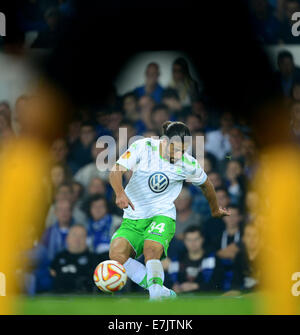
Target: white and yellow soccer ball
[[110, 276]]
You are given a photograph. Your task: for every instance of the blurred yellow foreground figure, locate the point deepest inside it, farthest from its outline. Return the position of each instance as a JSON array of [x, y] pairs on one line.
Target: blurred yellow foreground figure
[[23, 167], [278, 186]]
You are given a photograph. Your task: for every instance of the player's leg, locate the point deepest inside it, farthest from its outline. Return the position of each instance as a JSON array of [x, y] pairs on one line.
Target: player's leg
[[153, 252], [127, 243], [120, 250], [157, 238]]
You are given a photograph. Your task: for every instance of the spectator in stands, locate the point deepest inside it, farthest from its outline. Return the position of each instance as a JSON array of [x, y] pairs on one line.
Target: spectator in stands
[[59, 155], [94, 169], [146, 105], [78, 192], [97, 186], [207, 118], [235, 181], [195, 269], [183, 82], [65, 192], [185, 216], [222, 196], [59, 151], [48, 37], [246, 275], [288, 72], [130, 106], [151, 87], [286, 36], [210, 163], [72, 268], [73, 131], [114, 121], [217, 141], [102, 119], [59, 174], [199, 204], [227, 244], [122, 140], [159, 115], [54, 237], [171, 99], [101, 224], [213, 227], [194, 122], [250, 158], [265, 24], [216, 179], [80, 150], [236, 138]]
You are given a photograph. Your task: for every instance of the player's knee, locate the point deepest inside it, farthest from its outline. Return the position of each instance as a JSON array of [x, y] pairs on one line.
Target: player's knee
[[116, 255]]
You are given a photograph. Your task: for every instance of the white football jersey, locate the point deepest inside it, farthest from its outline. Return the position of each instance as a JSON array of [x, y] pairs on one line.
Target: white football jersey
[[155, 182]]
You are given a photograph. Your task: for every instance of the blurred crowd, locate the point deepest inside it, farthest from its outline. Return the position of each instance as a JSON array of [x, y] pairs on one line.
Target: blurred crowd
[[40, 20], [206, 254], [272, 20]]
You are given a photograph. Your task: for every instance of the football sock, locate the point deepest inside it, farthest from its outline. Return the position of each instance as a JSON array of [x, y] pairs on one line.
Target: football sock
[[137, 272], [155, 278]]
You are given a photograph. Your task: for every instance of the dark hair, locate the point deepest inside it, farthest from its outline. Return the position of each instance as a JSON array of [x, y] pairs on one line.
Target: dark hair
[[233, 206], [65, 184], [87, 124], [284, 54], [160, 107], [152, 64], [184, 65], [170, 93], [193, 229], [213, 160], [175, 128], [81, 192], [237, 160], [127, 122], [222, 189], [129, 94], [86, 206]]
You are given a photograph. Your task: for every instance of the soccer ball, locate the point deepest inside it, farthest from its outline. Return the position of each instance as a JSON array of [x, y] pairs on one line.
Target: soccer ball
[[110, 276]]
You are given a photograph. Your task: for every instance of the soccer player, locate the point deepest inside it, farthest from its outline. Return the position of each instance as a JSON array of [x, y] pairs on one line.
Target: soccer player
[[159, 168]]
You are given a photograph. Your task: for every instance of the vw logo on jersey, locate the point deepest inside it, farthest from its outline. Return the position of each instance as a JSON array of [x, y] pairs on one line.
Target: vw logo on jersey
[[158, 182]]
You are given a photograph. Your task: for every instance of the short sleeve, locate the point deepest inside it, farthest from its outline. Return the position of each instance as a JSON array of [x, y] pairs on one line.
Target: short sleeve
[[197, 177], [131, 157]]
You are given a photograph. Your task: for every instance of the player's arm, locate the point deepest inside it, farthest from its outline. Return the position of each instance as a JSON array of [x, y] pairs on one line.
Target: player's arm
[[208, 191], [115, 179]]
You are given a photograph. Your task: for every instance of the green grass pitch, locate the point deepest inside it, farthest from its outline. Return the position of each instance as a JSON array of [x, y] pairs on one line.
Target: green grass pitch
[[103, 304]]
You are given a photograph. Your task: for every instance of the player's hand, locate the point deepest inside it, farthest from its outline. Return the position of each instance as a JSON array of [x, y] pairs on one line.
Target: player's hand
[[122, 201], [221, 212]]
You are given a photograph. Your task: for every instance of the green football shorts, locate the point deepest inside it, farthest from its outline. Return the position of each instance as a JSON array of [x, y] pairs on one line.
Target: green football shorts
[[159, 228]]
